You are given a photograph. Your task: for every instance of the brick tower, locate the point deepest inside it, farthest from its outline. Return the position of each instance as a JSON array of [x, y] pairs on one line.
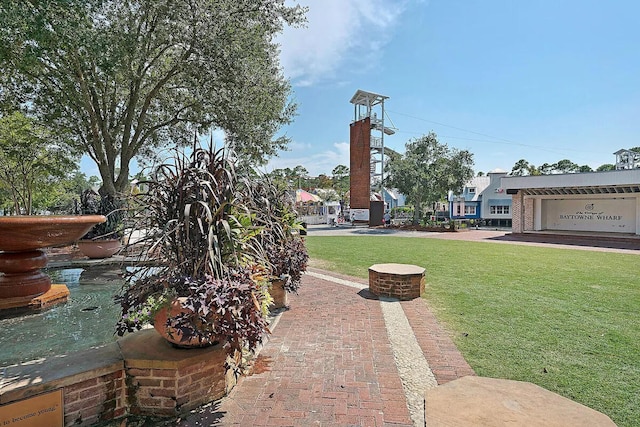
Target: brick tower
[[367, 155]]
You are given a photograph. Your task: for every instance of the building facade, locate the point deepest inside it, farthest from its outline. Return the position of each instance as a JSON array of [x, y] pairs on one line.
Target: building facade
[[483, 199], [599, 202], [468, 205], [392, 198], [496, 203], [627, 159]]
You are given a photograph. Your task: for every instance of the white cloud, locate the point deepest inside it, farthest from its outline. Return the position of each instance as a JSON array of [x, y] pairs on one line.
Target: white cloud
[[337, 32], [340, 35]]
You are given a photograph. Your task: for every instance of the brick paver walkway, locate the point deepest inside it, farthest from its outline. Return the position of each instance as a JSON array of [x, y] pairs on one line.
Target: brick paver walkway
[[329, 362], [444, 359]]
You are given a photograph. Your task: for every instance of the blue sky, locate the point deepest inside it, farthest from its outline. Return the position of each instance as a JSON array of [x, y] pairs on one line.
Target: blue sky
[[542, 80]]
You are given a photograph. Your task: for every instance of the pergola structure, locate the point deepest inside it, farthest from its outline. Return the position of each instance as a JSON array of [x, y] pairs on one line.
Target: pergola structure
[[605, 202]]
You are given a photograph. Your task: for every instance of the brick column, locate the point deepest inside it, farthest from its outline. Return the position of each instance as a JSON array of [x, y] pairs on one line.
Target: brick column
[[360, 163], [517, 223], [528, 213]]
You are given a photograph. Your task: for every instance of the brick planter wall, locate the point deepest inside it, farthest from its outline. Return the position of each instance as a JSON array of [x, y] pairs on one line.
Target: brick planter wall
[[92, 383], [401, 281], [140, 374], [164, 380], [97, 399]]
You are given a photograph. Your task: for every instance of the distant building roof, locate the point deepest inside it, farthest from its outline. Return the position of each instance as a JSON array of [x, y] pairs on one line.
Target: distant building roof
[[479, 182], [497, 170]]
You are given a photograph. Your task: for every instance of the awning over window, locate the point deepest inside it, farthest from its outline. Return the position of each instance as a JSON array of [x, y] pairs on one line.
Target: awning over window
[[499, 202]]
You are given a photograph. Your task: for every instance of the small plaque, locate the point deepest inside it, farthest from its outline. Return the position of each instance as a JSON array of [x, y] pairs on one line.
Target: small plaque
[[41, 410]]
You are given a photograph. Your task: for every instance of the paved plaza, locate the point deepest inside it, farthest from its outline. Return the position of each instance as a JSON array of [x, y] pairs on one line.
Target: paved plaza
[[339, 356]]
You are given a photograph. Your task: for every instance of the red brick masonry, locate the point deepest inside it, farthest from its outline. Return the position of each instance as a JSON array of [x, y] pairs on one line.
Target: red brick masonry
[[402, 281], [95, 399], [141, 374]]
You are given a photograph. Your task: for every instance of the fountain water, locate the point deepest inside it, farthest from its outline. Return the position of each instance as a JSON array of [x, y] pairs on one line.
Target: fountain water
[[86, 320]]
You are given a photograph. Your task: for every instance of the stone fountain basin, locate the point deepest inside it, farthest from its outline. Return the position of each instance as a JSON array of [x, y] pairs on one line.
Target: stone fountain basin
[[30, 232]]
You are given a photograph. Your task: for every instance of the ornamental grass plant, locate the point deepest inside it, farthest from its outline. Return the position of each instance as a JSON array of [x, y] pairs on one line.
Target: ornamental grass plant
[[201, 246], [280, 238], [92, 203]]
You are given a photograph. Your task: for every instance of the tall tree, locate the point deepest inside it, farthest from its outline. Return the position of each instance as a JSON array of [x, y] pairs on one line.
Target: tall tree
[[546, 169], [65, 194], [324, 181], [523, 168], [6, 205], [340, 176], [31, 162], [428, 170], [565, 166], [300, 173], [124, 77], [280, 178], [606, 167]]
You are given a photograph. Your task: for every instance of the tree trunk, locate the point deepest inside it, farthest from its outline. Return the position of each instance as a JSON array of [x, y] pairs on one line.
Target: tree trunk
[[16, 205]]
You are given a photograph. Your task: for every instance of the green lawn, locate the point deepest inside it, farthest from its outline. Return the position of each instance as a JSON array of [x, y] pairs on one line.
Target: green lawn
[[567, 320]]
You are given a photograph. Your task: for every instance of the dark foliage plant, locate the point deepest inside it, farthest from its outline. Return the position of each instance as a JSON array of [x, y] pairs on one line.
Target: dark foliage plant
[[221, 309], [201, 246], [284, 249], [92, 203], [288, 261]]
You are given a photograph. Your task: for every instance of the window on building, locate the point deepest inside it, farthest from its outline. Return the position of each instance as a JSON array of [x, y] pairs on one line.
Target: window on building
[[499, 210], [471, 190], [469, 210]]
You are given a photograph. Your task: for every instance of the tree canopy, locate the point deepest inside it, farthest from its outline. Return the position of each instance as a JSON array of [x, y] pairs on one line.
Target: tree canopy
[[124, 78], [522, 168], [32, 163], [606, 167], [428, 170], [341, 179]]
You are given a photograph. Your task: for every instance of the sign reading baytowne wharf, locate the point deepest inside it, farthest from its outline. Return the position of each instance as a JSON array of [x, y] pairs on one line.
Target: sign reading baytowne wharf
[[592, 217], [606, 215]]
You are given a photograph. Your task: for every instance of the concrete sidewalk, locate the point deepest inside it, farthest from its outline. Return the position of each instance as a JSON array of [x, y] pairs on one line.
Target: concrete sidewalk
[[330, 362], [602, 242]]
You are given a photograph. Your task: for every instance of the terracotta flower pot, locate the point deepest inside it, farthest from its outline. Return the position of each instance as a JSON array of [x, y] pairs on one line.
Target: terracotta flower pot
[[174, 336], [99, 248], [279, 295]]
